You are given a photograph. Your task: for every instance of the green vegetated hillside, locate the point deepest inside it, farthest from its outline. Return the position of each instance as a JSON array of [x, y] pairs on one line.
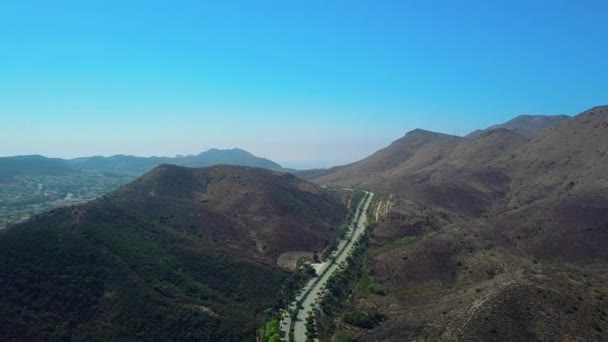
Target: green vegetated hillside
[[497, 237], [179, 254]]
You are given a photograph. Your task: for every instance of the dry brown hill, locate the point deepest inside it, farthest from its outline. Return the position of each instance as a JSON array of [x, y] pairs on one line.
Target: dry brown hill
[[498, 164], [525, 125], [502, 238], [569, 158], [415, 151], [436, 169], [243, 210]]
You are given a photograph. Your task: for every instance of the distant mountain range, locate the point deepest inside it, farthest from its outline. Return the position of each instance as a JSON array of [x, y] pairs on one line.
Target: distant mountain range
[[39, 165], [33, 166]]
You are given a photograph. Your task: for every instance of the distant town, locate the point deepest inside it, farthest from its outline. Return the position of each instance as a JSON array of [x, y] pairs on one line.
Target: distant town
[[26, 196]]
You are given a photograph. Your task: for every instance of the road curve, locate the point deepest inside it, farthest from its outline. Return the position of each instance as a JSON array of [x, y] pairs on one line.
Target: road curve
[[311, 292]]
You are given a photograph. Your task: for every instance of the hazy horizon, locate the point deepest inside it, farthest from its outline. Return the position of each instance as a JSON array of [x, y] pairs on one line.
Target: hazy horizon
[[306, 83], [290, 164]]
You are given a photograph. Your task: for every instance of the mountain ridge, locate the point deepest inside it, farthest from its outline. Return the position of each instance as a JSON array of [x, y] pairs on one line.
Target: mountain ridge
[[40, 165], [496, 237], [526, 124]]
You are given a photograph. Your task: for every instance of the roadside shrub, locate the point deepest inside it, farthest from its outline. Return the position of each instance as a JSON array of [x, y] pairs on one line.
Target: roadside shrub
[[344, 336], [376, 289], [363, 320]]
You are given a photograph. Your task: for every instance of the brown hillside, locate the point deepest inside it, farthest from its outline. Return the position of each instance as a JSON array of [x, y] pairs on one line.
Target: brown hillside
[[503, 238], [570, 158], [526, 125], [415, 151], [498, 164], [437, 169], [243, 210]]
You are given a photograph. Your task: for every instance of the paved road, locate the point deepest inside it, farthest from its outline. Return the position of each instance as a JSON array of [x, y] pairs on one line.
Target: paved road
[[311, 292]]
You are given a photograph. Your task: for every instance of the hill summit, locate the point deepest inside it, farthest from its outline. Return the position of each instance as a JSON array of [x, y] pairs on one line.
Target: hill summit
[[525, 125]]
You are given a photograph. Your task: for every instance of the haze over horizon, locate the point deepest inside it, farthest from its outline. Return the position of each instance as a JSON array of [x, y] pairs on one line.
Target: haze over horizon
[[302, 84]]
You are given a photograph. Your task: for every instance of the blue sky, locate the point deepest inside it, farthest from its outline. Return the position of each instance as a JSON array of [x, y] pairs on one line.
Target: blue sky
[[289, 80]]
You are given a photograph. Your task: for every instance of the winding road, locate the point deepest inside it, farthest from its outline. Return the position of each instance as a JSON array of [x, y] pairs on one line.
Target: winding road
[[311, 293]]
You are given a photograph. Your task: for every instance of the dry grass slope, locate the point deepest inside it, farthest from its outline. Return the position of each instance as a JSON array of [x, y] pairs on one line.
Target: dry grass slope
[[499, 237]]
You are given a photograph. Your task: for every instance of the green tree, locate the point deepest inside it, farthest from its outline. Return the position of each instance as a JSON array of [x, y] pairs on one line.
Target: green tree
[[270, 332], [343, 336]]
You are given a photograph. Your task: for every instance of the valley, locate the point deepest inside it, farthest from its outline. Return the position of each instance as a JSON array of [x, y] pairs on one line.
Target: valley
[[498, 235], [307, 300], [304, 171]]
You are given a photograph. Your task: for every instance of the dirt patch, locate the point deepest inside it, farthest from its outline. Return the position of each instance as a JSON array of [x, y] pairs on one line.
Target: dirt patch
[[288, 260]]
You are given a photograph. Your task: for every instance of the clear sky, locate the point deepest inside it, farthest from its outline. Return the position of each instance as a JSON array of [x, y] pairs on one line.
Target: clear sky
[[288, 80]]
